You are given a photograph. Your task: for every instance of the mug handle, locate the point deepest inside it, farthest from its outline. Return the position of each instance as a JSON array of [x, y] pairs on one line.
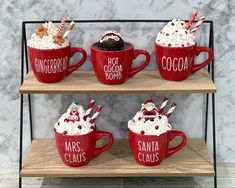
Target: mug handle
[[171, 136], [200, 49], [79, 63], [100, 134], [133, 71]]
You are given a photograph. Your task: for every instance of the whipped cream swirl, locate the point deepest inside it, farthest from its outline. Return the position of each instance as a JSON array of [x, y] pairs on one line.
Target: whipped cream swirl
[[46, 42], [153, 126], [174, 34], [72, 122]]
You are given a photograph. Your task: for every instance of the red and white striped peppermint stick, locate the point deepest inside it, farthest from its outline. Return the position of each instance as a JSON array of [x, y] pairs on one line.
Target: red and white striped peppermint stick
[[197, 25], [97, 111], [163, 105], [61, 26], [190, 22], [172, 108], [89, 109]]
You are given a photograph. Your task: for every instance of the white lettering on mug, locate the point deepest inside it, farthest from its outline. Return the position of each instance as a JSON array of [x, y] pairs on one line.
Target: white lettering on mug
[[51, 66], [72, 146], [177, 64], [148, 151], [75, 157], [113, 70], [74, 153]]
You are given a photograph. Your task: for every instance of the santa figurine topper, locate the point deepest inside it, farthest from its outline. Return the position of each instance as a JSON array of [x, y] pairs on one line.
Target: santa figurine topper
[[149, 110]]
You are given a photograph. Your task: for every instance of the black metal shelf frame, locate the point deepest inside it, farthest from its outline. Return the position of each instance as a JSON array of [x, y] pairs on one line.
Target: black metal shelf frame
[[24, 61]]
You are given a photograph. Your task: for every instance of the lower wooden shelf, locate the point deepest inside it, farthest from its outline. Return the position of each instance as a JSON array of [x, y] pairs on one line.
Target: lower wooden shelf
[[43, 161]]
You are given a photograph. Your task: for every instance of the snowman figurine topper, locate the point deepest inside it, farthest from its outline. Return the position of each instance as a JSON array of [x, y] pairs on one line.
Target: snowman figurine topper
[[149, 110]]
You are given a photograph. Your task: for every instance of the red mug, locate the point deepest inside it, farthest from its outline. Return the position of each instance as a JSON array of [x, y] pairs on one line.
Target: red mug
[[52, 65], [78, 150], [150, 150], [114, 67], [177, 63]]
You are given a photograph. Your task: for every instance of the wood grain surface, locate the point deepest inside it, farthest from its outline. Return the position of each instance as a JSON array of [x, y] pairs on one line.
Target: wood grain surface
[[143, 82], [43, 161]]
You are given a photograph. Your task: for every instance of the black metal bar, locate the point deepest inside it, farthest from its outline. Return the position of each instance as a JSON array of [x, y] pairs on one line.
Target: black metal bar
[[207, 95], [21, 139], [97, 21], [211, 38], [214, 140], [25, 49], [213, 111], [212, 48], [30, 117], [211, 45], [206, 118], [29, 96], [21, 106]]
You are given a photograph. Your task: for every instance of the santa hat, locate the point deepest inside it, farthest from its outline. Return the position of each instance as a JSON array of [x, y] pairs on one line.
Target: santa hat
[[148, 101]]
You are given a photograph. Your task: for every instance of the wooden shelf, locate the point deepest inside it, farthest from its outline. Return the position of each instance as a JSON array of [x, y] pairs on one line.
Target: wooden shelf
[[145, 81], [43, 161]]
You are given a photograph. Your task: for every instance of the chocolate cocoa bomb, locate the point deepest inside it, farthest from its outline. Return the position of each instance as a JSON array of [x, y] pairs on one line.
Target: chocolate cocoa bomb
[[111, 40]]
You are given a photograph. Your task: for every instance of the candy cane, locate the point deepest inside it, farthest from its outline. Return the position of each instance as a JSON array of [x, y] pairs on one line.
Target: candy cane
[[69, 29], [194, 15], [89, 109], [163, 105], [97, 111], [61, 26], [197, 25], [172, 108]]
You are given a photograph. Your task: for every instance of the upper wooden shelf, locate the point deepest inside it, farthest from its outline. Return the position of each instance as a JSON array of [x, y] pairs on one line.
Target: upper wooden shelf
[[43, 161], [145, 81]]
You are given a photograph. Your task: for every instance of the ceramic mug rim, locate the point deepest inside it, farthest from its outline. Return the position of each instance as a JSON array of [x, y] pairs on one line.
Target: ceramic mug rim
[[131, 46], [94, 130], [137, 134], [169, 47], [50, 50]]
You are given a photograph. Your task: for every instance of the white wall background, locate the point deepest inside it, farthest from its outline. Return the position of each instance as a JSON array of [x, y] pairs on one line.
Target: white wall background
[[117, 108]]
